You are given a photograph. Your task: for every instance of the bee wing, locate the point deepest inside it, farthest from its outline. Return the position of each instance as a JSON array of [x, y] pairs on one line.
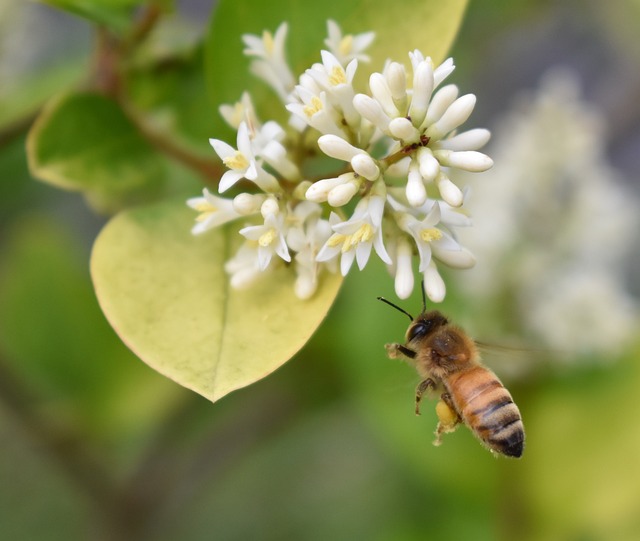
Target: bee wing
[[513, 362]]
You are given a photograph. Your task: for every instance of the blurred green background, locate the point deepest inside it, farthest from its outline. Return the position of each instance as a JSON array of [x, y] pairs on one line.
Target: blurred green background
[[95, 445]]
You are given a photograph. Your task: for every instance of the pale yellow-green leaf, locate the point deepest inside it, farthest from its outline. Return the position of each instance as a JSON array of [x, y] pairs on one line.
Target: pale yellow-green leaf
[[167, 295]]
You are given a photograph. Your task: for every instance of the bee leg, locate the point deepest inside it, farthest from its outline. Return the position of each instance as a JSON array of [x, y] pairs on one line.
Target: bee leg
[[397, 351], [422, 388], [448, 417]]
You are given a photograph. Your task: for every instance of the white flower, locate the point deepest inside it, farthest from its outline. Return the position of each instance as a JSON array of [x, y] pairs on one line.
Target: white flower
[[353, 239], [243, 268], [426, 235], [401, 138], [348, 47], [241, 111], [337, 82], [270, 239], [270, 63], [315, 111], [306, 236], [242, 163], [214, 211]]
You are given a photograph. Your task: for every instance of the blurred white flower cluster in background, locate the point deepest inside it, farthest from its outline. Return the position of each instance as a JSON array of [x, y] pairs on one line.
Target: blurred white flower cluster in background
[[393, 149], [554, 227]]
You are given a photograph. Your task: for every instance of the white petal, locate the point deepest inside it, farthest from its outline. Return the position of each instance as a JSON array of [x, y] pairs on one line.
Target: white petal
[[223, 150], [443, 71], [346, 261], [229, 179], [363, 251], [378, 244]]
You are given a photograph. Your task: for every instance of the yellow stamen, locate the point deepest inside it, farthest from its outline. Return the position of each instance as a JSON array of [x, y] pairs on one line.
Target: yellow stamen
[[204, 206], [338, 76], [335, 239], [237, 162], [267, 238], [346, 44], [314, 106], [430, 234], [363, 234], [267, 39], [205, 209]]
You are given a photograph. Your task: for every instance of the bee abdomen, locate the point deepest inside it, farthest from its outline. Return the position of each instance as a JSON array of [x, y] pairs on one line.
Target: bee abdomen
[[503, 431], [489, 411]]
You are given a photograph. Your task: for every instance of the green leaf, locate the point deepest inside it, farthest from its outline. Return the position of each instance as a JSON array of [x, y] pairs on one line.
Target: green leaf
[[84, 142], [167, 295], [115, 14], [429, 25]]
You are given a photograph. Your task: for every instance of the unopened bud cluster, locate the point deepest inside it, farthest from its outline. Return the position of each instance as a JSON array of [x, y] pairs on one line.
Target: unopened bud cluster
[[393, 147]]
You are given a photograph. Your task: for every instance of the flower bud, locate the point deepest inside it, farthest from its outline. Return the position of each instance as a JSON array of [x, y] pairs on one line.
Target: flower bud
[[416, 191], [422, 88], [456, 114], [449, 191], [440, 102], [434, 284], [246, 203], [404, 272], [469, 160], [365, 166], [468, 140], [401, 128], [269, 207], [372, 111], [337, 147], [429, 165], [341, 195]]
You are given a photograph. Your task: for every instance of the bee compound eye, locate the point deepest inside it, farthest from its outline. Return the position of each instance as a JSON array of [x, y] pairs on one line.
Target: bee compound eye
[[418, 330]]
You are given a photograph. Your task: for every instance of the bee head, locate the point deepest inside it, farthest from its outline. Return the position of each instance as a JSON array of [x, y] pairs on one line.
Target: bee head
[[425, 324]]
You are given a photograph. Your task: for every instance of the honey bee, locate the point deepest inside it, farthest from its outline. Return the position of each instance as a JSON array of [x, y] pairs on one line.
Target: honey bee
[[448, 360]]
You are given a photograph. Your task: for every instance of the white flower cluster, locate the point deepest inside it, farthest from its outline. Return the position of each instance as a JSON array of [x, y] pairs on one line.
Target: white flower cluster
[[392, 148], [557, 223]]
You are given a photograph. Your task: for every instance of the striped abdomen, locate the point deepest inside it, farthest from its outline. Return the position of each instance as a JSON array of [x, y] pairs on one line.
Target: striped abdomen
[[487, 409]]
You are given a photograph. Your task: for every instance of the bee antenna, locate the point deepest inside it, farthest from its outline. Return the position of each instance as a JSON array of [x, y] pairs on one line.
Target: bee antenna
[[424, 297], [396, 307]]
